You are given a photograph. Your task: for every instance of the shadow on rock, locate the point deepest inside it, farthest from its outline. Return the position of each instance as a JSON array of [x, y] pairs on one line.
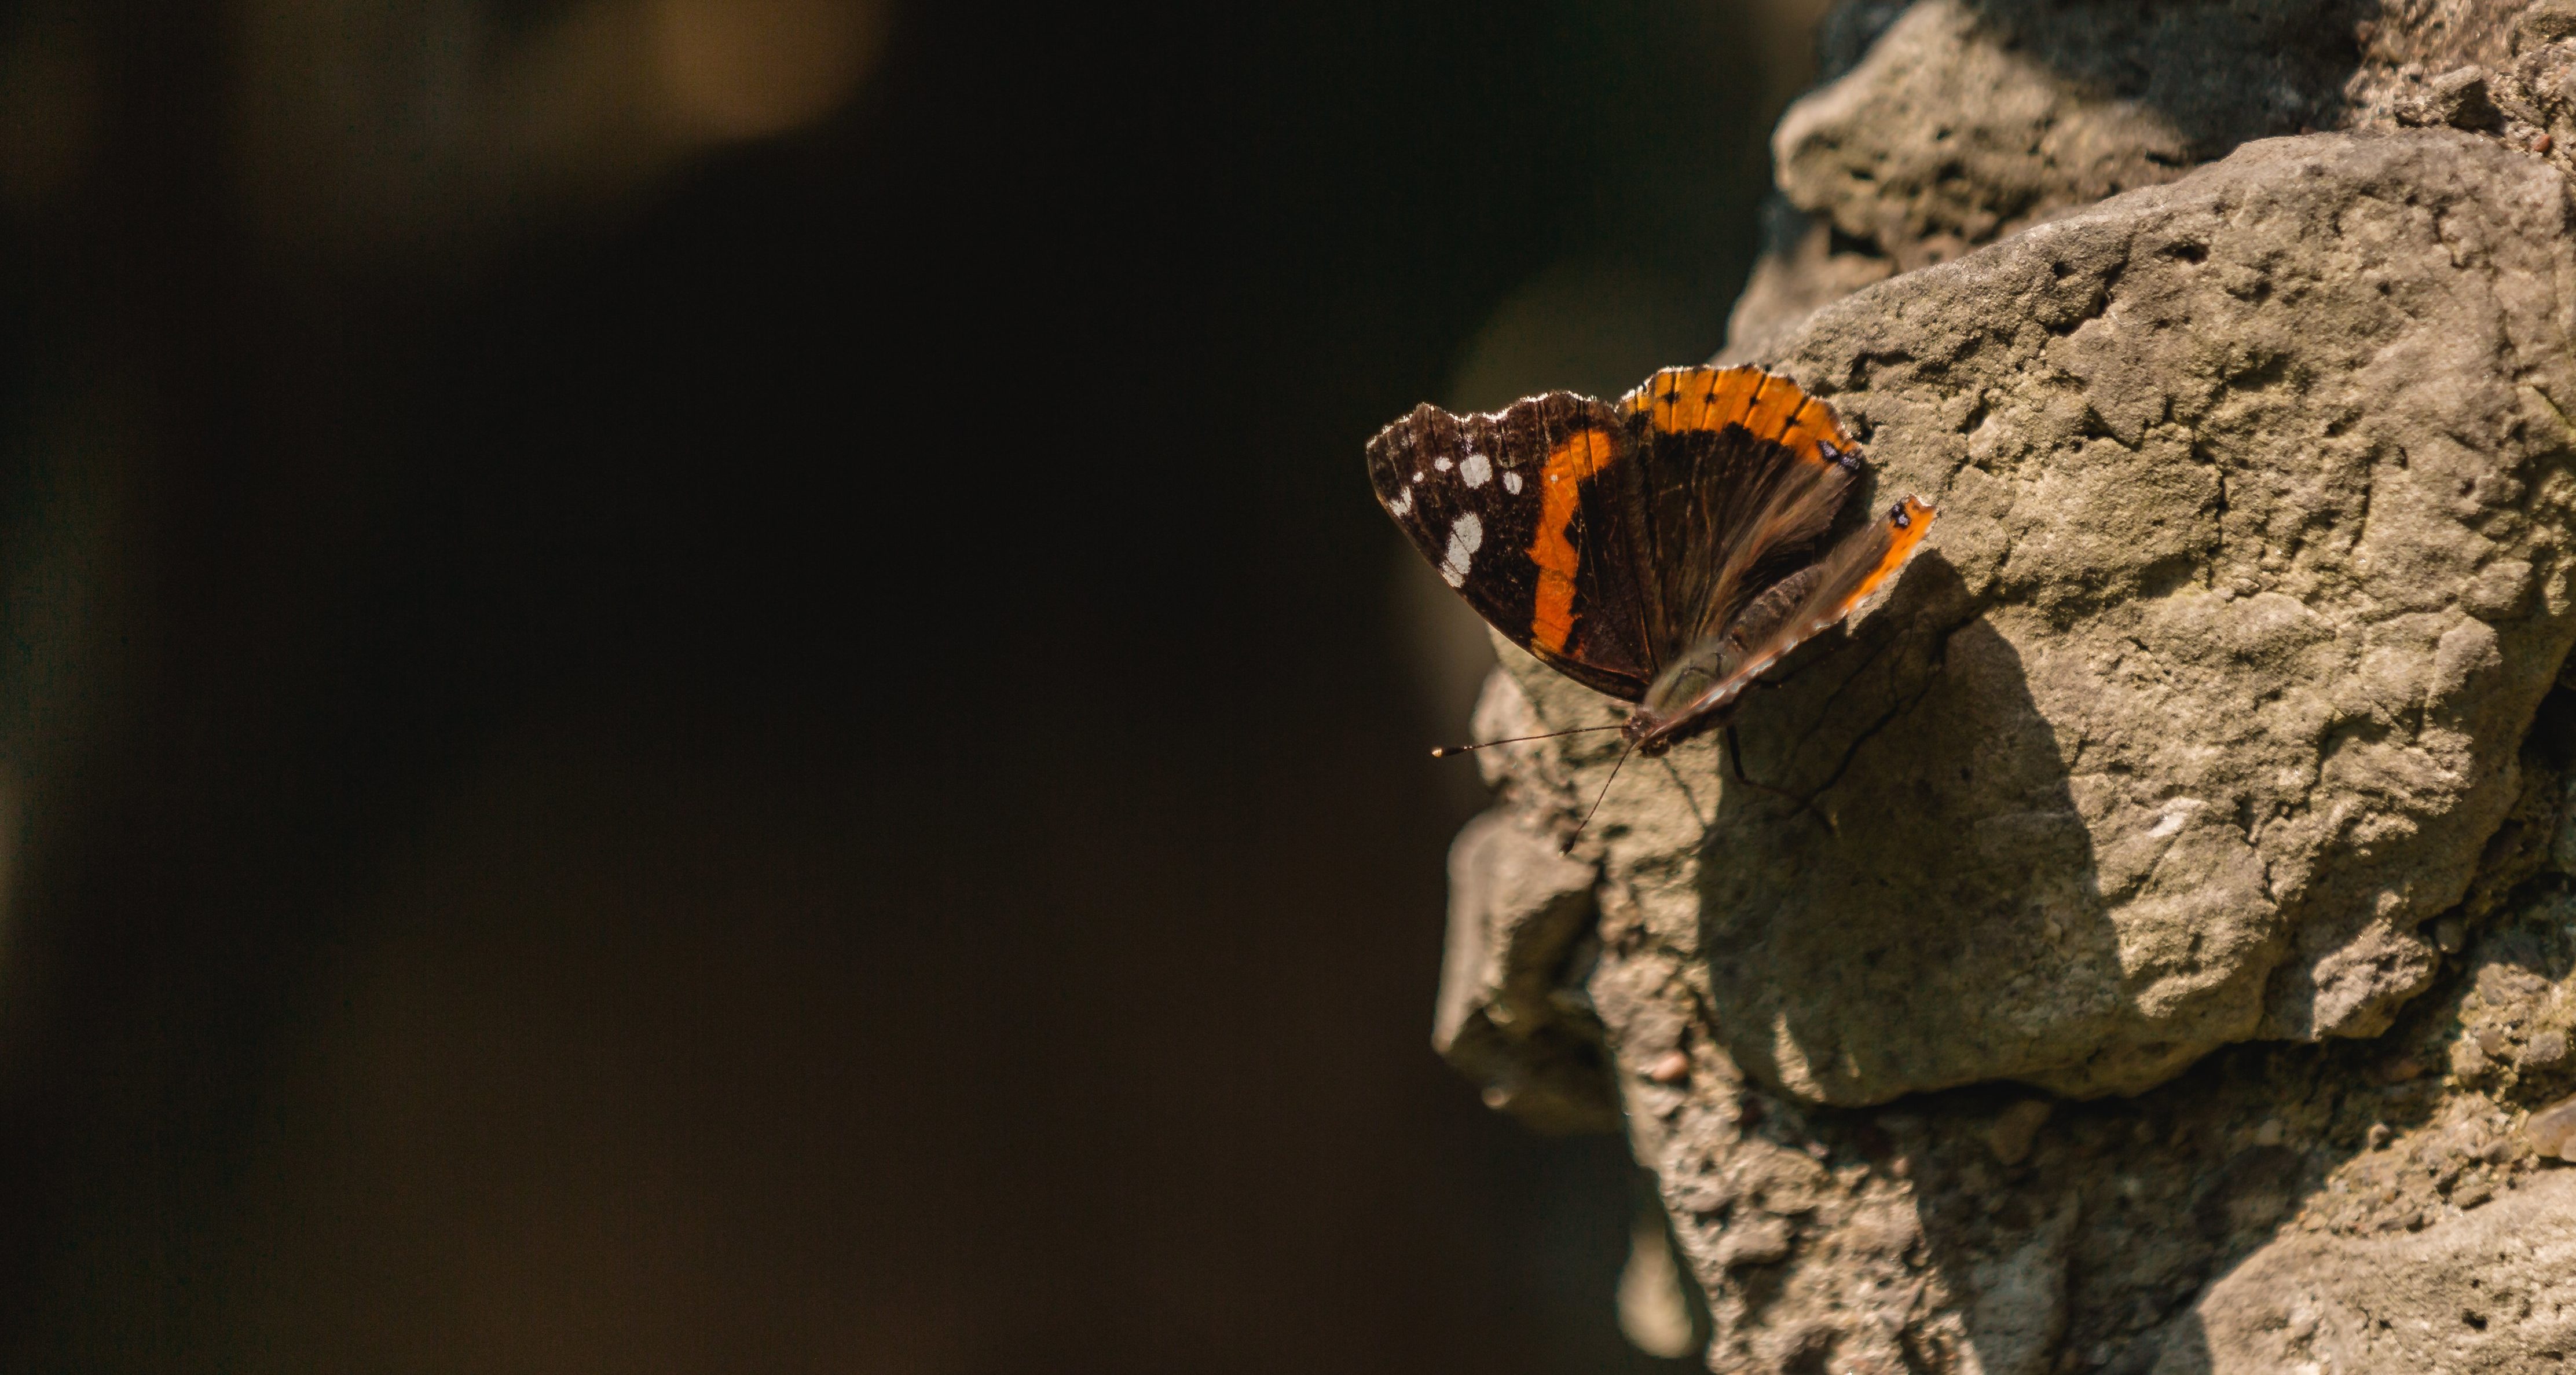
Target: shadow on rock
[[1938, 788]]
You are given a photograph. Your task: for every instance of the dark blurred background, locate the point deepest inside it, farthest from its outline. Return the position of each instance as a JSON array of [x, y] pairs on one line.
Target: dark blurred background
[[706, 685]]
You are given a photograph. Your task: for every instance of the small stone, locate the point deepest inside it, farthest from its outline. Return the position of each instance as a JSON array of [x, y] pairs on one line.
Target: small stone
[[2401, 1069], [1761, 1239], [2540, 142], [2268, 1134], [2544, 1050], [2016, 1128], [2472, 1190], [2457, 98], [2552, 1130], [2378, 1135], [2492, 1040], [2468, 1058], [1671, 1067]]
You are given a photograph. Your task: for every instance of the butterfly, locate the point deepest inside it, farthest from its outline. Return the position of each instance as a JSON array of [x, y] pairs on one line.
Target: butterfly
[[1665, 548]]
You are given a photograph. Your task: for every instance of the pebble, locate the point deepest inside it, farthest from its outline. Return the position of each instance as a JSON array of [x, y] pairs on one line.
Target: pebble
[[2552, 1130], [2015, 1128]]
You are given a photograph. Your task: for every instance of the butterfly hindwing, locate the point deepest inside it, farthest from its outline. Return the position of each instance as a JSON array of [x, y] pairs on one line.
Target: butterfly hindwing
[[1803, 605], [1531, 513], [1742, 474]]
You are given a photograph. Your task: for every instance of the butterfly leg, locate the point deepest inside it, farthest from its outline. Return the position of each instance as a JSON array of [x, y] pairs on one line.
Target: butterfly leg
[[1735, 765]]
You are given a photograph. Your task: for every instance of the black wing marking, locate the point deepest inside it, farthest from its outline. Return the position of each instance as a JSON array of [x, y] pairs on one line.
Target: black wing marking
[[1524, 513]]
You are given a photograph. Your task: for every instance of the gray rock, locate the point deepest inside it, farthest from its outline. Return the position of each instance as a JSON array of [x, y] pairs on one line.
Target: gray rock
[[2492, 1290], [1516, 910], [2209, 696], [2188, 719], [2552, 1130], [2457, 98], [1966, 120]]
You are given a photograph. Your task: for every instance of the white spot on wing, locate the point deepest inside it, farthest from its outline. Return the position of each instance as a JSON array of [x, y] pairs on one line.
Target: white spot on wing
[[1465, 534], [1403, 503], [1477, 470], [1512, 483], [1440, 465]]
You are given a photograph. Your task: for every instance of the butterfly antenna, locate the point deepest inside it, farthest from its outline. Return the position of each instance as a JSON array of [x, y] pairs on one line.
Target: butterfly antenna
[[1445, 751], [1596, 798]]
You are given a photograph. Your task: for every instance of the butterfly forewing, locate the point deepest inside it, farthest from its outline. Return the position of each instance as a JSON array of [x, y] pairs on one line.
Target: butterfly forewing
[[1666, 549], [1526, 512]]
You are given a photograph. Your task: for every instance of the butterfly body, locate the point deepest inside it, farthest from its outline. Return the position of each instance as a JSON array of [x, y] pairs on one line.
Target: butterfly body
[[1665, 549]]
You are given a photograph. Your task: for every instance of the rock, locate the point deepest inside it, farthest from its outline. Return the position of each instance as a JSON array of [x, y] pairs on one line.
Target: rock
[[1516, 909], [1654, 1305], [2020, 1309], [2458, 99], [2547, 21], [2552, 1130], [2072, 102], [2489, 1290], [1888, 157], [2180, 729], [2016, 1128], [2208, 700]]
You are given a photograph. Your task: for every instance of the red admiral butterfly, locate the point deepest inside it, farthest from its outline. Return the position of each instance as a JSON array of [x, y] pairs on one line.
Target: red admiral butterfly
[[1665, 549]]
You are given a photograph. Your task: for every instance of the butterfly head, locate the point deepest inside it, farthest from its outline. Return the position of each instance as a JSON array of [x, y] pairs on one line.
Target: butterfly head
[[1653, 733]]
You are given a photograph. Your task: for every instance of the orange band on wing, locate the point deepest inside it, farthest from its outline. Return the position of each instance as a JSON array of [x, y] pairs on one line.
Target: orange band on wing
[[1775, 408], [1808, 430], [1901, 539], [1577, 457], [1683, 400]]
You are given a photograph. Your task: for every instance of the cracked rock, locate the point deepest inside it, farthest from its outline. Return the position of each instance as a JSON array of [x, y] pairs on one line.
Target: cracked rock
[[2225, 722], [2188, 719]]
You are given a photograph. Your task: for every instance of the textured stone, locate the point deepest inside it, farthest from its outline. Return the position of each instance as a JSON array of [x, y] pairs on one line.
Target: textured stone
[[2235, 670], [2492, 1290], [1516, 910], [2552, 1130], [2070, 103], [2187, 720]]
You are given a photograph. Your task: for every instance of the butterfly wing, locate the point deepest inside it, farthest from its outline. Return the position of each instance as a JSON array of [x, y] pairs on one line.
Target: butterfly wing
[[1531, 514], [1797, 609], [1742, 474]]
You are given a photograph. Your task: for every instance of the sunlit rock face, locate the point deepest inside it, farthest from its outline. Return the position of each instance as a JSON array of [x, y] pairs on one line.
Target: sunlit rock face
[[2124, 894], [2250, 573]]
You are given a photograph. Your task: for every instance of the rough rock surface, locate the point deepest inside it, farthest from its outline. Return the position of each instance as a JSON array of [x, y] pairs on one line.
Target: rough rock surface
[[2075, 103], [2250, 574], [2168, 968], [1505, 1019]]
